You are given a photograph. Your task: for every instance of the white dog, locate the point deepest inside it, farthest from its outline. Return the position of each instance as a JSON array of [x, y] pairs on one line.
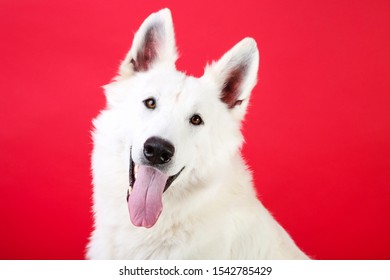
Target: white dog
[[169, 179]]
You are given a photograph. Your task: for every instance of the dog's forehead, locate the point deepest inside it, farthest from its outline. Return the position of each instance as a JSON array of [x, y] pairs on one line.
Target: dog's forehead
[[196, 90], [180, 88], [165, 81]]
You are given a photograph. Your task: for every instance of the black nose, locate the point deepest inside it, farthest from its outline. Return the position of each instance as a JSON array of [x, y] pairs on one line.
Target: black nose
[[158, 150]]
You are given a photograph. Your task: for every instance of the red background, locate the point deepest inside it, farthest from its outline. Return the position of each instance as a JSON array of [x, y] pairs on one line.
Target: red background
[[317, 131]]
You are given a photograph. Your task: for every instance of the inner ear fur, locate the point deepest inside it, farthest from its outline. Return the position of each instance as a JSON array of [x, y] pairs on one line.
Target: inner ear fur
[[153, 43], [148, 51], [231, 88], [236, 73]]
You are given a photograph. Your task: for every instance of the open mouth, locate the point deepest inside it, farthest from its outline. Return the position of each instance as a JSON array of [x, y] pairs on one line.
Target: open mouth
[[133, 174], [144, 196]]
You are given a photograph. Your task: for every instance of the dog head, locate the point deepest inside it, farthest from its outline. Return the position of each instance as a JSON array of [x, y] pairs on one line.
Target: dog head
[[176, 128]]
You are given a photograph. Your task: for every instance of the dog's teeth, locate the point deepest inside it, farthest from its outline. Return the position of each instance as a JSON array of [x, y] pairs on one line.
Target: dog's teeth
[[128, 193], [136, 167]]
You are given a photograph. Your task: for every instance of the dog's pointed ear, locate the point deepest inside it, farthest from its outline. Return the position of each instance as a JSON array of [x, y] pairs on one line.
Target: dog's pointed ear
[[153, 43], [235, 75]]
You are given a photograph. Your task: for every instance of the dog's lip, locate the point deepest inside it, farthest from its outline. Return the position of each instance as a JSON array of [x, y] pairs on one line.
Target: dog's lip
[[132, 179], [172, 178]]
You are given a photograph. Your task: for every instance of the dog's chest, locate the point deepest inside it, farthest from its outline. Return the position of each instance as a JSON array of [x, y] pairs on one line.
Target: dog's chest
[[153, 244], [177, 242]]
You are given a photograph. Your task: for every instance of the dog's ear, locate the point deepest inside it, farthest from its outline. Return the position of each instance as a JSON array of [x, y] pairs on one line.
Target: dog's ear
[[153, 43], [235, 75]]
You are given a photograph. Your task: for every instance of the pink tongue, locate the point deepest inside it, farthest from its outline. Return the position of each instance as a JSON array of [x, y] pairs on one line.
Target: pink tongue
[[145, 201]]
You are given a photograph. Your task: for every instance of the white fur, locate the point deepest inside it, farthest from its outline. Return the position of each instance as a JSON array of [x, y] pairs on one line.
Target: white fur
[[211, 210]]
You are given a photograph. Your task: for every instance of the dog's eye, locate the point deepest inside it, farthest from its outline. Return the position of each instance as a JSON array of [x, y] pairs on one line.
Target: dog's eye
[[150, 103], [196, 120]]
